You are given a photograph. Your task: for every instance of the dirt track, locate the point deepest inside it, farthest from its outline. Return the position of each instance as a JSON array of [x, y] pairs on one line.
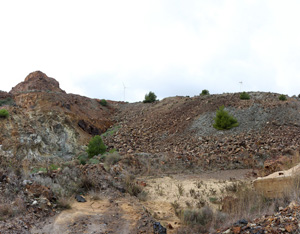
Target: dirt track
[[103, 216]]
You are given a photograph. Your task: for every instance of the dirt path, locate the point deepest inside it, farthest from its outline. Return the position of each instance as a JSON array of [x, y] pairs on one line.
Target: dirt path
[[97, 217]]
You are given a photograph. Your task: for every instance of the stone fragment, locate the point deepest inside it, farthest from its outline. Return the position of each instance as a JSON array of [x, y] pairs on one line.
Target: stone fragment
[[80, 198], [159, 229]]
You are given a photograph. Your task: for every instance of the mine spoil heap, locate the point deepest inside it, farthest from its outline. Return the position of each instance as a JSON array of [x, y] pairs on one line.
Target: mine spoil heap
[[180, 131]]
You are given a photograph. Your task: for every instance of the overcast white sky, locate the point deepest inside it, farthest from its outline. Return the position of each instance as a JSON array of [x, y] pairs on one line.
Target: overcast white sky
[[170, 47]]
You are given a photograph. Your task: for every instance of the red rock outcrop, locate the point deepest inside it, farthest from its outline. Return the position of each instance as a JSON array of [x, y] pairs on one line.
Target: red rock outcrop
[[37, 81]]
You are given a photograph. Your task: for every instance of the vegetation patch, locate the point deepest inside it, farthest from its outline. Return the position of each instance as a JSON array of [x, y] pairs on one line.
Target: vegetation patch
[[150, 97], [103, 102], [244, 96], [93, 161], [39, 169], [53, 167], [224, 121], [111, 159], [111, 131], [204, 92], [96, 146], [282, 97], [203, 216], [64, 203], [4, 113], [133, 188]]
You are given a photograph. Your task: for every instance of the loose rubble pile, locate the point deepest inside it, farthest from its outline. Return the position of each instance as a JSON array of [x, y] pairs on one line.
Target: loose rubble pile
[[287, 220], [182, 127], [23, 203]]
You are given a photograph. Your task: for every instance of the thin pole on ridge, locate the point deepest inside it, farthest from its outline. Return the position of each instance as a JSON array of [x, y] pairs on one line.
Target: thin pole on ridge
[[124, 90], [241, 84]]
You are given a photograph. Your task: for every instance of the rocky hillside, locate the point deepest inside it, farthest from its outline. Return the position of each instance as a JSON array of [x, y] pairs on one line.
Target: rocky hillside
[[45, 121], [175, 135], [179, 130]]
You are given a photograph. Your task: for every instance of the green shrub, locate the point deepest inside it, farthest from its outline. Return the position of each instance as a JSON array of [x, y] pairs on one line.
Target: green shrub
[[53, 167], [112, 150], [244, 96], [150, 97], [282, 97], [82, 159], [96, 146], [36, 170], [204, 92], [94, 161], [111, 131], [103, 102], [4, 113], [224, 121]]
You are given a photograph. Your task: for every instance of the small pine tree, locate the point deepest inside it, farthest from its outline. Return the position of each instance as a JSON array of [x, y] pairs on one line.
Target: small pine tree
[[282, 97], [244, 96], [4, 113], [150, 97], [224, 121], [204, 92], [103, 102], [96, 146]]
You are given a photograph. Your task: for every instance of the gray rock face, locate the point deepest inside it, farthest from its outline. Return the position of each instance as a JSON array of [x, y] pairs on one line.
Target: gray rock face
[[40, 135]]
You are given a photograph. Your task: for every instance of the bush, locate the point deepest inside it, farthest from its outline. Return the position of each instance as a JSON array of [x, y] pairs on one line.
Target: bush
[[4, 113], [111, 131], [224, 121], [282, 97], [83, 159], [96, 146], [203, 216], [103, 102], [244, 96], [111, 159], [64, 203], [150, 97], [204, 92], [131, 186]]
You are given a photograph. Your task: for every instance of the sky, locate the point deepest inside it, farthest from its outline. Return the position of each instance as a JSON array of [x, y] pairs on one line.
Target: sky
[[169, 47]]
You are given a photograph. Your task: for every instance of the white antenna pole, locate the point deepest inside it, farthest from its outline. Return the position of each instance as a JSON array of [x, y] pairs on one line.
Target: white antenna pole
[[241, 84], [124, 90]]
